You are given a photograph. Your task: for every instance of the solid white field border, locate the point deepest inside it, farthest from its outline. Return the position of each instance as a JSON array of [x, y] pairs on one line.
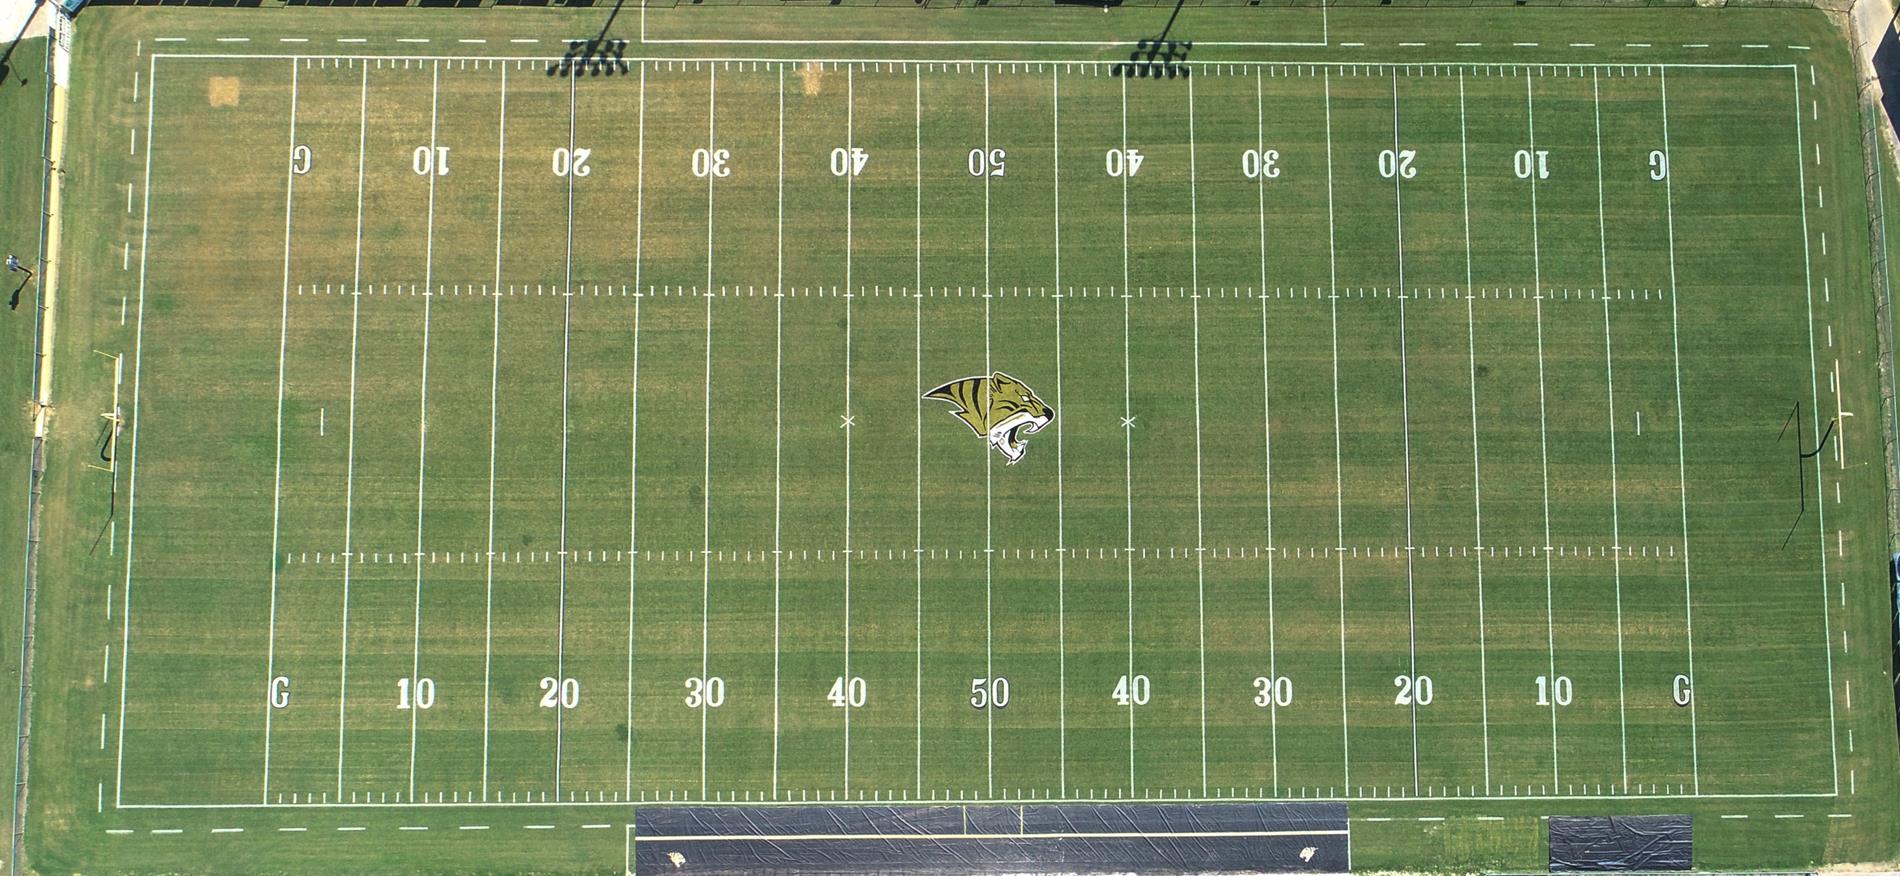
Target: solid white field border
[[905, 63], [125, 649], [1324, 40]]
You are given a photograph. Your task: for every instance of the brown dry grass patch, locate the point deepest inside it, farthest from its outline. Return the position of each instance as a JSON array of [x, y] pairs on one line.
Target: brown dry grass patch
[[223, 91], [812, 75]]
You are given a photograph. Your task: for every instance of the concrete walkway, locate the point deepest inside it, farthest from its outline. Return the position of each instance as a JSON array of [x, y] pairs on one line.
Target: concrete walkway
[[23, 19]]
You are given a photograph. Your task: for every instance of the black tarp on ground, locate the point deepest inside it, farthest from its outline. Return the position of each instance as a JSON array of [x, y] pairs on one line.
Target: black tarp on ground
[[1605, 844], [1081, 838]]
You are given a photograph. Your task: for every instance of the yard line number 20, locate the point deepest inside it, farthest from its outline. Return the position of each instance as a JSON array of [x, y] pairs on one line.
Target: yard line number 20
[[572, 162], [1413, 690]]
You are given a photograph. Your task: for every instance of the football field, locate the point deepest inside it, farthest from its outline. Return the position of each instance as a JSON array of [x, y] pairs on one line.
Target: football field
[[514, 433], [575, 386]]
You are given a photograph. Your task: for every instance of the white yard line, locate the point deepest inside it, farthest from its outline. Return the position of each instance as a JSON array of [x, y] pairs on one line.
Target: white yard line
[[1546, 67], [1405, 428], [1477, 493], [1339, 486], [917, 111], [422, 431], [349, 477], [1266, 424], [277, 477], [1682, 453], [1098, 44], [633, 449], [494, 385], [1091, 44], [1543, 433], [138, 358], [989, 552], [567, 334], [850, 87], [1062, 550], [1814, 407], [1200, 537], [778, 422], [705, 490], [1609, 376], [1128, 452]]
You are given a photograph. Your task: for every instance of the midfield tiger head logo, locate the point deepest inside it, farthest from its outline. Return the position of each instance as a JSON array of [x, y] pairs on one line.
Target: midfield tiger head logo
[[998, 407]]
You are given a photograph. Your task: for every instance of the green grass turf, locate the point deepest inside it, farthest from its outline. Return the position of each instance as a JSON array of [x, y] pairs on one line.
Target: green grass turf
[[1348, 399]]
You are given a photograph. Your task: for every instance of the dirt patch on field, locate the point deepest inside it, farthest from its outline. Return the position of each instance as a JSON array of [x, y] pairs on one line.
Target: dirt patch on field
[[812, 75], [223, 91]]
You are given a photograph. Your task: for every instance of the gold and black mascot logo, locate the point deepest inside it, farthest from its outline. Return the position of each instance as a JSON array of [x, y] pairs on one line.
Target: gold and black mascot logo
[[998, 407]]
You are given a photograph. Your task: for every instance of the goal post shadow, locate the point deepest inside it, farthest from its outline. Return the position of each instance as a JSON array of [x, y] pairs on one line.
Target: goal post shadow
[[1802, 455]]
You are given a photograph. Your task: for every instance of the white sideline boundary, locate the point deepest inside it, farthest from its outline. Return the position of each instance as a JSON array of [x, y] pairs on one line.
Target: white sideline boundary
[[1324, 40], [132, 474], [125, 649], [1028, 67], [1814, 391]]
